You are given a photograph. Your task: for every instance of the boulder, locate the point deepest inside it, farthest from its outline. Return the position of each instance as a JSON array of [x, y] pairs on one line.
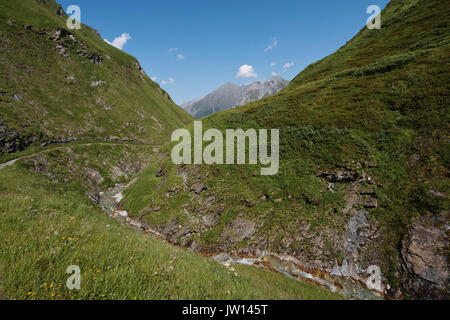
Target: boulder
[[159, 172], [198, 188], [424, 255]]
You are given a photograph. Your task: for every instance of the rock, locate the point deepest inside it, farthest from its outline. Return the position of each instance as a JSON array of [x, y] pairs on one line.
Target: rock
[[60, 12], [170, 229], [40, 165], [71, 80], [242, 229], [210, 220], [62, 50], [159, 172], [366, 190], [339, 176], [93, 176], [98, 83], [436, 194], [198, 188], [118, 197], [424, 255], [359, 231], [94, 198], [342, 271], [91, 56], [60, 34], [122, 213], [367, 201], [11, 141]]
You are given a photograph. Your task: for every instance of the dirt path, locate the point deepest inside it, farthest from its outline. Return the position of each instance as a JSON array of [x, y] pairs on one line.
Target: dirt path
[[11, 162]]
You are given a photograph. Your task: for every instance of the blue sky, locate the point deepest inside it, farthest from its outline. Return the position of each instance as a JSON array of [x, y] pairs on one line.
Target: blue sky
[[193, 47]]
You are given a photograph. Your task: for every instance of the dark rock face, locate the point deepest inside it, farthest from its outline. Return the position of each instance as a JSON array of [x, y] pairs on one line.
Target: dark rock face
[[339, 176], [359, 232], [425, 256], [91, 56], [159, 172], [95, 198], [60, 12], [65, 39], [11, 141], [60, 34]]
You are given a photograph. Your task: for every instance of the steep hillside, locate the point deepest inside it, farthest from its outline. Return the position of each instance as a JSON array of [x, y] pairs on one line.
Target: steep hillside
[[48, 224], [60, 85], [364, 164], [230, 95]]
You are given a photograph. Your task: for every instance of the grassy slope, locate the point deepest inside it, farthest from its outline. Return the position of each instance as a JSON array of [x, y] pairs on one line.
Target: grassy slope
[[57, 99], [48, 224], [47, 221], [378, 106]]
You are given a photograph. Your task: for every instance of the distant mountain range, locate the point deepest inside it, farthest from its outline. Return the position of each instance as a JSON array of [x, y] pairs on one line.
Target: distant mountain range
[[231, 95]]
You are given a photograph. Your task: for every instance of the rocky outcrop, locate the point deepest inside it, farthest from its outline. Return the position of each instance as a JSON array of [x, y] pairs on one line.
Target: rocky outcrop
[[11, 141], [425, 252], [64, 40], [198, 188], [238, 230], [59, 34]]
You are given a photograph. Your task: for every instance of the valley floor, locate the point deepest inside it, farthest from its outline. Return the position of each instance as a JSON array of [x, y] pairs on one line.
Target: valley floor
[[48, 223]]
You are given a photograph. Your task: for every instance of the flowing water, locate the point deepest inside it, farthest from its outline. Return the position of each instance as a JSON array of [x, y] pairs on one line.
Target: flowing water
[[285, 265]]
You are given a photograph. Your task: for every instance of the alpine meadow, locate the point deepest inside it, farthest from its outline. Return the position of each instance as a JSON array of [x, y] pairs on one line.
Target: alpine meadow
[[334, 185]]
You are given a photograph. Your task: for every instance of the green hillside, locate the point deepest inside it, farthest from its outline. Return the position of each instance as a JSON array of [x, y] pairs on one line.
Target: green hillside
[[59, 85], [48, 223], [364, 157], [100, 118]]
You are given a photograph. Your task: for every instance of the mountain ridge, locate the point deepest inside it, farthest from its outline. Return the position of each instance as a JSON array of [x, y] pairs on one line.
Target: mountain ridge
[[230, 95]]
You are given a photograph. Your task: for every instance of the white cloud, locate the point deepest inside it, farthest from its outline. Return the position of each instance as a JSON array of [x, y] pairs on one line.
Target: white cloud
[[179, 55], [273, 45], [273, 64], [274, 74], [287, 66], [169, 81], [120, 42], [246, 71], [154, 78]]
